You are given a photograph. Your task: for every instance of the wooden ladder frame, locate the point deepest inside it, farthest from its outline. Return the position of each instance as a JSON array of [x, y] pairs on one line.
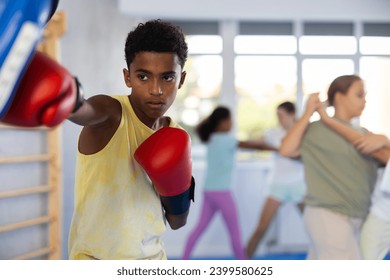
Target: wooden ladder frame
[[55, 28]]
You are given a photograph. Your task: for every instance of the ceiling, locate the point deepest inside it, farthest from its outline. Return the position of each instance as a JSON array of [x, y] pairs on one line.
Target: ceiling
[[340, 10]]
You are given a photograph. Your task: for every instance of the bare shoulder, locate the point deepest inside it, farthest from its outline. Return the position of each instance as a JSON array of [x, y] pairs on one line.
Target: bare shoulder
[[105, 102], [105, 116], [96, 110]]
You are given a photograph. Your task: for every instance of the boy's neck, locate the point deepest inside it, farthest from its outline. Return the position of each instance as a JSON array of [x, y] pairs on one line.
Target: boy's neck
[[161, 122]]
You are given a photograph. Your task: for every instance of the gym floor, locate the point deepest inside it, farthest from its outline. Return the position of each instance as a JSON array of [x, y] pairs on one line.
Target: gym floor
[[276, 256]]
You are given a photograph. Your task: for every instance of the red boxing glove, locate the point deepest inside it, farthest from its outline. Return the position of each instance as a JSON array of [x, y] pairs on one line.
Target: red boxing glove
[[46, 95], [166, 158]]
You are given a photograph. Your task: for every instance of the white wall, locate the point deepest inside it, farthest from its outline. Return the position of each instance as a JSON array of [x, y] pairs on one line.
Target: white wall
[[92, 49]]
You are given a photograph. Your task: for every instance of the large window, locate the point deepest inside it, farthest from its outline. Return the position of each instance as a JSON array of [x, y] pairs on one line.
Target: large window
[[265, 74], [262, 82], [279, 61], [327, 51], [327, 45], [375, 70], [318, 73], [201, 90]]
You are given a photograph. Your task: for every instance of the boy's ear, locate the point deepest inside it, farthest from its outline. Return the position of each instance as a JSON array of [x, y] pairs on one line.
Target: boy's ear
[[126, 77], [182, 78]]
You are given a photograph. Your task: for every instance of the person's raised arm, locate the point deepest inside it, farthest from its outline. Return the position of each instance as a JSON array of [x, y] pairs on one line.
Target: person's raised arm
[[378, 146], [291, 143]]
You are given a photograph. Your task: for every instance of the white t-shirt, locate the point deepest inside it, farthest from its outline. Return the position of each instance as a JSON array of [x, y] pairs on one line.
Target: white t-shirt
[[381, 197], [285, 170]]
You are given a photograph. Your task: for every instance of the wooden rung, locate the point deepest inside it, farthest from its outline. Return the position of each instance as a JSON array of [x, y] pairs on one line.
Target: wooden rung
[[5, 126], [25, 191], [34, 254], [21, 159], [24, 224]]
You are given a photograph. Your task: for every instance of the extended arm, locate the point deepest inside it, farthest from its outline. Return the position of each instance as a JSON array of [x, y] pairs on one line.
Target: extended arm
[[291, 143], [257, 145], [96, 111]]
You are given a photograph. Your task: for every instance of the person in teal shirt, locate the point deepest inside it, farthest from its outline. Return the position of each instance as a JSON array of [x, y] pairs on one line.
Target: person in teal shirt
[[221, 152]]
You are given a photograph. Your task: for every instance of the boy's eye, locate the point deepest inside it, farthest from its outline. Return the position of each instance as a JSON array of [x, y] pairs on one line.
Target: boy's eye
[[168, 78], [142, 77]]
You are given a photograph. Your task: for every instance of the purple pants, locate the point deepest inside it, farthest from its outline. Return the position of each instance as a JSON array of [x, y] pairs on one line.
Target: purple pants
[[213, 202]]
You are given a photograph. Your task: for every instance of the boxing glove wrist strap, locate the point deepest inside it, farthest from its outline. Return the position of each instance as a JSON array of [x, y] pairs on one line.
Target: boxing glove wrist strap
[[179, 204], [79, 96]]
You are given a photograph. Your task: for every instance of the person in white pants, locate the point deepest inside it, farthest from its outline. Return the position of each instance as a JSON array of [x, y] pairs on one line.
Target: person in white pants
[[375, 235]]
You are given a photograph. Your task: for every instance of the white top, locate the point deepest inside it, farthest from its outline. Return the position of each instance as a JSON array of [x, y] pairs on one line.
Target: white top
[[381, 196], [285, 170]]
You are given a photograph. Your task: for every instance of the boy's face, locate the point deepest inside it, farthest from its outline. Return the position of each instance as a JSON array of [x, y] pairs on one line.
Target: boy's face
[[154, 79]]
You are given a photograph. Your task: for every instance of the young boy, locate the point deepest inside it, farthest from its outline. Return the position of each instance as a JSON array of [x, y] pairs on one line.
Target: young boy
[[118, 213]]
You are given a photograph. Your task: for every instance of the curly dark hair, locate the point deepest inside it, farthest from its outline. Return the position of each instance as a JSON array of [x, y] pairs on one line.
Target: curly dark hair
[[156, 36]]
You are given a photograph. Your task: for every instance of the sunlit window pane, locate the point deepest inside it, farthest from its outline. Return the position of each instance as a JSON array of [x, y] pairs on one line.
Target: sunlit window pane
[[265, 44], [317, 74], [204, 44], [337, 45], [375, 45], [376, 72], [200, 92], [204, 75], [262, 82]]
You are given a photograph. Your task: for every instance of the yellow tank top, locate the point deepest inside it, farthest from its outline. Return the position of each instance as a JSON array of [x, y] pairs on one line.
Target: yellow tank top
[[118, 214]]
